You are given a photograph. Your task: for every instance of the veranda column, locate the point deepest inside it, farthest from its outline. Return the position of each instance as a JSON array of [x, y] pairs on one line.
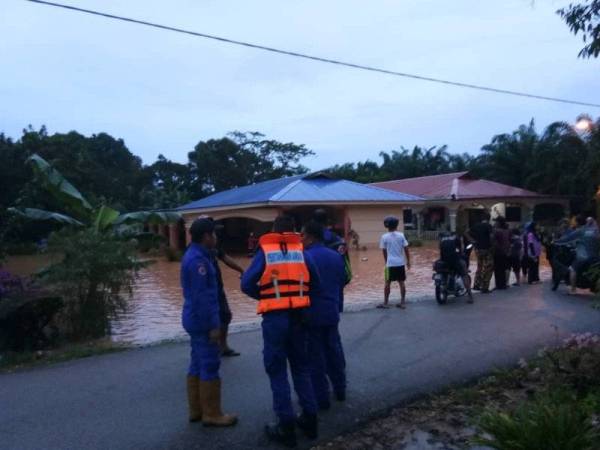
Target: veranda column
[[174, 236], [419, 223], [347, 225], [452, 213], [165, 232], [188, 236]]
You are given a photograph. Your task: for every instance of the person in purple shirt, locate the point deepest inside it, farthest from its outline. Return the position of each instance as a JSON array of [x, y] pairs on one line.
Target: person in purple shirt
[[534, 251], [327, 355]]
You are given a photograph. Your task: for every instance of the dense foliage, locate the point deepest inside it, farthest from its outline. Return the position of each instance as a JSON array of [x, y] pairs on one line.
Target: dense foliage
[[584, 18], [106, 172], [407, 163], [558, 161], [564, 409], [241, 159]]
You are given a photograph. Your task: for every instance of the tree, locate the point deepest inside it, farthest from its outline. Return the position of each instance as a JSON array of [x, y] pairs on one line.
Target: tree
[[510, 158], [166, 184], [13, 173], [101, 219], [241, 159], [559, 161], [96, 265], [100, 165], [584, 17], [406, 163]]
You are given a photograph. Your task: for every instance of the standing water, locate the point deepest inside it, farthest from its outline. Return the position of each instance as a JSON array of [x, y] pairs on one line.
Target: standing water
[[154, 312]]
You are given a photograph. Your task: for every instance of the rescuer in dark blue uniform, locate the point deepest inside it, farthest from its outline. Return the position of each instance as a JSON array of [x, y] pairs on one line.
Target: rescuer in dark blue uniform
[[201, 320], [336, 243], [326, 352], [285, 337]]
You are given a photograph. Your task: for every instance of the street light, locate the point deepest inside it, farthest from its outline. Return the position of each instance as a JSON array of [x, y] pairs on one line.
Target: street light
[[584, 123]]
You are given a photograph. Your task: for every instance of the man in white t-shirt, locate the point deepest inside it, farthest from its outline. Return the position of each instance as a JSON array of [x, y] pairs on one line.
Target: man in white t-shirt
[[397, 260]]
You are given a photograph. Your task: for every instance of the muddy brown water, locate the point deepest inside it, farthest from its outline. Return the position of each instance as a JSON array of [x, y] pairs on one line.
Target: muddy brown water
[[154, 312]]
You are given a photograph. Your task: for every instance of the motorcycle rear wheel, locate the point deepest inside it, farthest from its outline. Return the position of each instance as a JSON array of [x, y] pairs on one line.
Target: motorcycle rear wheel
[[441, 295]]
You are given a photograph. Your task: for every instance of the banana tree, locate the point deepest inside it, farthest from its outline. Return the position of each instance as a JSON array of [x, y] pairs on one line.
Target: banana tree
[[102, 218]]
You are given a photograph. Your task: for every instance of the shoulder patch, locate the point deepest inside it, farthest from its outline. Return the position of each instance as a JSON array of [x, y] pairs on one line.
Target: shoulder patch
[[202, 269]]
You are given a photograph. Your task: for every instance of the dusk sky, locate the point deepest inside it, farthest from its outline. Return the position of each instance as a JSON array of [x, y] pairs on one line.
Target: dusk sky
[[162, 92]]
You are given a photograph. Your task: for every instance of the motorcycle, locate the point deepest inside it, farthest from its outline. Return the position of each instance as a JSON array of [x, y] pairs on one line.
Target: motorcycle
[[447, 282], [562, 257]]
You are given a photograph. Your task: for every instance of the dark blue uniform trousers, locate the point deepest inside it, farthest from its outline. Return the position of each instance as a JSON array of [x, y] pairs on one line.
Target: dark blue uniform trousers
[[286, 339], [205, 358], [327, 360]]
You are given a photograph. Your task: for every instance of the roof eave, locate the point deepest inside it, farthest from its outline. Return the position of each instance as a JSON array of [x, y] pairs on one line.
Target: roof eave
[[499, 198], [288, 203]]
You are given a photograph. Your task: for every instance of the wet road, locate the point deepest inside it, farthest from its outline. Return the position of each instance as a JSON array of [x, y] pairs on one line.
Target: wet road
[[136, 399], [155, 309]]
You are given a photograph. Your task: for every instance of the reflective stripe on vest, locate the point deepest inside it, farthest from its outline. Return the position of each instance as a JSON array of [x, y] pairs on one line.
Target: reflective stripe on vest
[[285, 282]]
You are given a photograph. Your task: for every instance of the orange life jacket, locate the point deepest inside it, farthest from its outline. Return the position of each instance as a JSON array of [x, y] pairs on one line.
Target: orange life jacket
[[285, 283]]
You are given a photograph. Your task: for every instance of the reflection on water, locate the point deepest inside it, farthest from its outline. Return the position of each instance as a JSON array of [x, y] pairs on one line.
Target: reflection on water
[[155, 309]]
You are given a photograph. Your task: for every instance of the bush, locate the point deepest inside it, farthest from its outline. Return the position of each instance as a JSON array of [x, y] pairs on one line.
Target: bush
[[95, 278], [575, 364], [553, 421], [594, 275], [416, 243], [26, 313], [26, 321]]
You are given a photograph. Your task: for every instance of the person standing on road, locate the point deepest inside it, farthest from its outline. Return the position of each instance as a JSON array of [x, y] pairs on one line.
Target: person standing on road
[[481, 235], [224, 310], [534, 251], [397, 259], [201, 320], [333, 241], [516, 255], [325, 346], [501, 253], [281, 277]]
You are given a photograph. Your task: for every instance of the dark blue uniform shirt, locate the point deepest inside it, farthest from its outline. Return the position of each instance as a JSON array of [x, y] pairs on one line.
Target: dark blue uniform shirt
[[200, 291], [326, 298]]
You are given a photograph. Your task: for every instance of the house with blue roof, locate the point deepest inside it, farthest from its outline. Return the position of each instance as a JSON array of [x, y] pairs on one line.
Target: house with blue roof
[[252, 209]]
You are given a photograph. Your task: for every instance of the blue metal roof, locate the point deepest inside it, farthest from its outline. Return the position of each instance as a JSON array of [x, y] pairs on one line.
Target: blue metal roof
[[300, 189]]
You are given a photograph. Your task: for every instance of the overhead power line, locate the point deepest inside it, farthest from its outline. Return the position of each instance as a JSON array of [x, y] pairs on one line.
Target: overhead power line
[[318, 58]]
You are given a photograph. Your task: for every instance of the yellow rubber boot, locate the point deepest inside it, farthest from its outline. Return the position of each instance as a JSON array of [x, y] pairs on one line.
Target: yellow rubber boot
[[194, 403], [210, 394]]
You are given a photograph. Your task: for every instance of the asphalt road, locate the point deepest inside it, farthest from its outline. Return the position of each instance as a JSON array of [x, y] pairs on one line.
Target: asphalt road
[[136, 399]]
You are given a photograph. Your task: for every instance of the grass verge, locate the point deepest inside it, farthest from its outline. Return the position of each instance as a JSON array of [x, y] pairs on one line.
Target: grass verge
[[551, 402]]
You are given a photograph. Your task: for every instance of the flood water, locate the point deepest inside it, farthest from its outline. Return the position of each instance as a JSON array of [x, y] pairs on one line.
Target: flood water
[[154, 313]]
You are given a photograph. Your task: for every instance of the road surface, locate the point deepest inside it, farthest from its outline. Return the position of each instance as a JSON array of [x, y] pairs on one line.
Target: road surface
[[136, 399]]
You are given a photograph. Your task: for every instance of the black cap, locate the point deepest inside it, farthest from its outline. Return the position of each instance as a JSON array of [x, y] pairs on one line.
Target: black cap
[[200, 226]]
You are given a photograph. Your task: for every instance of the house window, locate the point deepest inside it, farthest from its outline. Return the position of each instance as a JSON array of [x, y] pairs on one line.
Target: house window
[[408, 218], [513, 213]]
